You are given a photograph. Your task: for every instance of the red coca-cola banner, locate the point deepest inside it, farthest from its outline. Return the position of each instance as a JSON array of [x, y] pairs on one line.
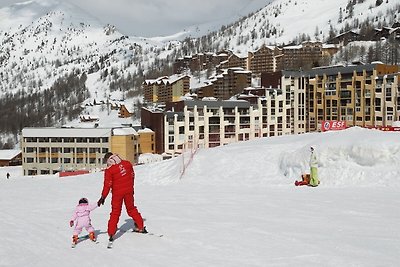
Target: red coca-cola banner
[[333, 125]]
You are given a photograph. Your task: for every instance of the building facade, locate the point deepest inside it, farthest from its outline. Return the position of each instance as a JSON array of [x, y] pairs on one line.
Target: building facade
[[52, 150], [224, 85], [166, 89], [360, 95], [265, 59], [203, 123]]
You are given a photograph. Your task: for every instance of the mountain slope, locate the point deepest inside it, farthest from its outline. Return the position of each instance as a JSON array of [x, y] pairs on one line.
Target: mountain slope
[[285, 21]]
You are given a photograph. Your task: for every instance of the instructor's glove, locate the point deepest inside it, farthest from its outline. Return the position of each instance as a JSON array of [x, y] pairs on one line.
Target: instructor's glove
[[71, 223], [100, 201]]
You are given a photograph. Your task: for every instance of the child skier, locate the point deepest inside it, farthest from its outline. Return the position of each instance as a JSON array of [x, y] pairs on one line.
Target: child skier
[[82, 218]]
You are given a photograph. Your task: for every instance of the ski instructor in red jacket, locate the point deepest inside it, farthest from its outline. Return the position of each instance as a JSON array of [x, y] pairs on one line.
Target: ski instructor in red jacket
[[119, 178]]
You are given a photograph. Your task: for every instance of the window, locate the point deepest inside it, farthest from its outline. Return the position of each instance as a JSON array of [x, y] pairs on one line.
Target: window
[[67, 160], [30, 149], [81, 150], [68, 150], [94, 149]]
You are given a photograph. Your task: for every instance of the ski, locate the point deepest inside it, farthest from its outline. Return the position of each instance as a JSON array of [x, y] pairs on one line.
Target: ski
[[147, 233]]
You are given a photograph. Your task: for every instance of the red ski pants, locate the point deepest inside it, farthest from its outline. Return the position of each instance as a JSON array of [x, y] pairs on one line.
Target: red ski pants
[[116, 206]]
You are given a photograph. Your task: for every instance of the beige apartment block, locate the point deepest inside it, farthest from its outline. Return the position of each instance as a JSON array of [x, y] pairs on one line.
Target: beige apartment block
[[360, 95], [166, 89], [52, 150], [208, 123]]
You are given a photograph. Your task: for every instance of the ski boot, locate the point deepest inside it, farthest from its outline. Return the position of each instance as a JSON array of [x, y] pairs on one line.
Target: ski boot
[[143, 231], [92, 236], [75, 239]]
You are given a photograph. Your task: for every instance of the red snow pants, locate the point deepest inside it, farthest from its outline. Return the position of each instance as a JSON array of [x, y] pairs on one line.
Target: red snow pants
[[116, 206]]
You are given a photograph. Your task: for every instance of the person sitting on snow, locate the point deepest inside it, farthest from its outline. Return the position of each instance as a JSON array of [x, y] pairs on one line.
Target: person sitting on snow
[[305, 180]]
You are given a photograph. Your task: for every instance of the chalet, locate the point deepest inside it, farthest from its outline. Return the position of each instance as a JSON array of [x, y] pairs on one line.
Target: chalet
[[345, 38], [88, 118], [10, 157], [124, 112]]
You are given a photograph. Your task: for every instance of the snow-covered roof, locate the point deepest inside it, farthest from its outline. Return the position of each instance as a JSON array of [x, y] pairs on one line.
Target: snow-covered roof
[[124, 131], [166, 79], [8, 154], [66, 132], [146, 130]]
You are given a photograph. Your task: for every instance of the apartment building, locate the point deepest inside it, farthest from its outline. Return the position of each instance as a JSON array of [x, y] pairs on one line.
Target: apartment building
[[51, 150], [166, 89], [304, 56], [361, 95], [224, 85], [294, 85], [265, 59], [209, 123], [234, 61], [200, 61]]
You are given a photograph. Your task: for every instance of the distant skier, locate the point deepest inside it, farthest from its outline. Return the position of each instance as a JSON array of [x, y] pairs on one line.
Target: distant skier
[[314, 181], [8, 175], [82, 218]]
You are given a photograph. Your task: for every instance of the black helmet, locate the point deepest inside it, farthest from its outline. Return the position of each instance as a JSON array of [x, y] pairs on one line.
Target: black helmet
[[83, 200]]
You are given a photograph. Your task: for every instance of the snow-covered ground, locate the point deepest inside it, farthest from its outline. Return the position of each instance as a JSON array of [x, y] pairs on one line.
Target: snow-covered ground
[[234, 206]]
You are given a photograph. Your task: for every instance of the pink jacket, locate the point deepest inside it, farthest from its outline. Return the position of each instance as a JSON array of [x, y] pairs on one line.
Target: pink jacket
[[81, 214]]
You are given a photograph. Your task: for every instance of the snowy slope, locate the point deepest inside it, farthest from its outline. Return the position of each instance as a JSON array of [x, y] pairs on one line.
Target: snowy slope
[[235, 206], [43, 40], [282, 21]]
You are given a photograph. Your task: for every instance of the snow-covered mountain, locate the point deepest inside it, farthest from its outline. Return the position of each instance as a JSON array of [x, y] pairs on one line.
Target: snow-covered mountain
[[43, 40], [292, 21]]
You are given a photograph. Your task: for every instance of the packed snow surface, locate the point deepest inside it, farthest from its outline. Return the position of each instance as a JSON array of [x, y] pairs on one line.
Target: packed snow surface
[[231, 206]]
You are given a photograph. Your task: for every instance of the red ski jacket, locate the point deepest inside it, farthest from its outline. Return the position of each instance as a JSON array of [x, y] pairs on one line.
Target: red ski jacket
[[118, 177]]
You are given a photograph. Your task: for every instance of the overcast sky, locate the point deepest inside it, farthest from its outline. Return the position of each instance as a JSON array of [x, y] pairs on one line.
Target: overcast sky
[[149, 18]]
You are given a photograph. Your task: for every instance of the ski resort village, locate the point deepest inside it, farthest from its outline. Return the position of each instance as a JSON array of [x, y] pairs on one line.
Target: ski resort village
[[267, 136]]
